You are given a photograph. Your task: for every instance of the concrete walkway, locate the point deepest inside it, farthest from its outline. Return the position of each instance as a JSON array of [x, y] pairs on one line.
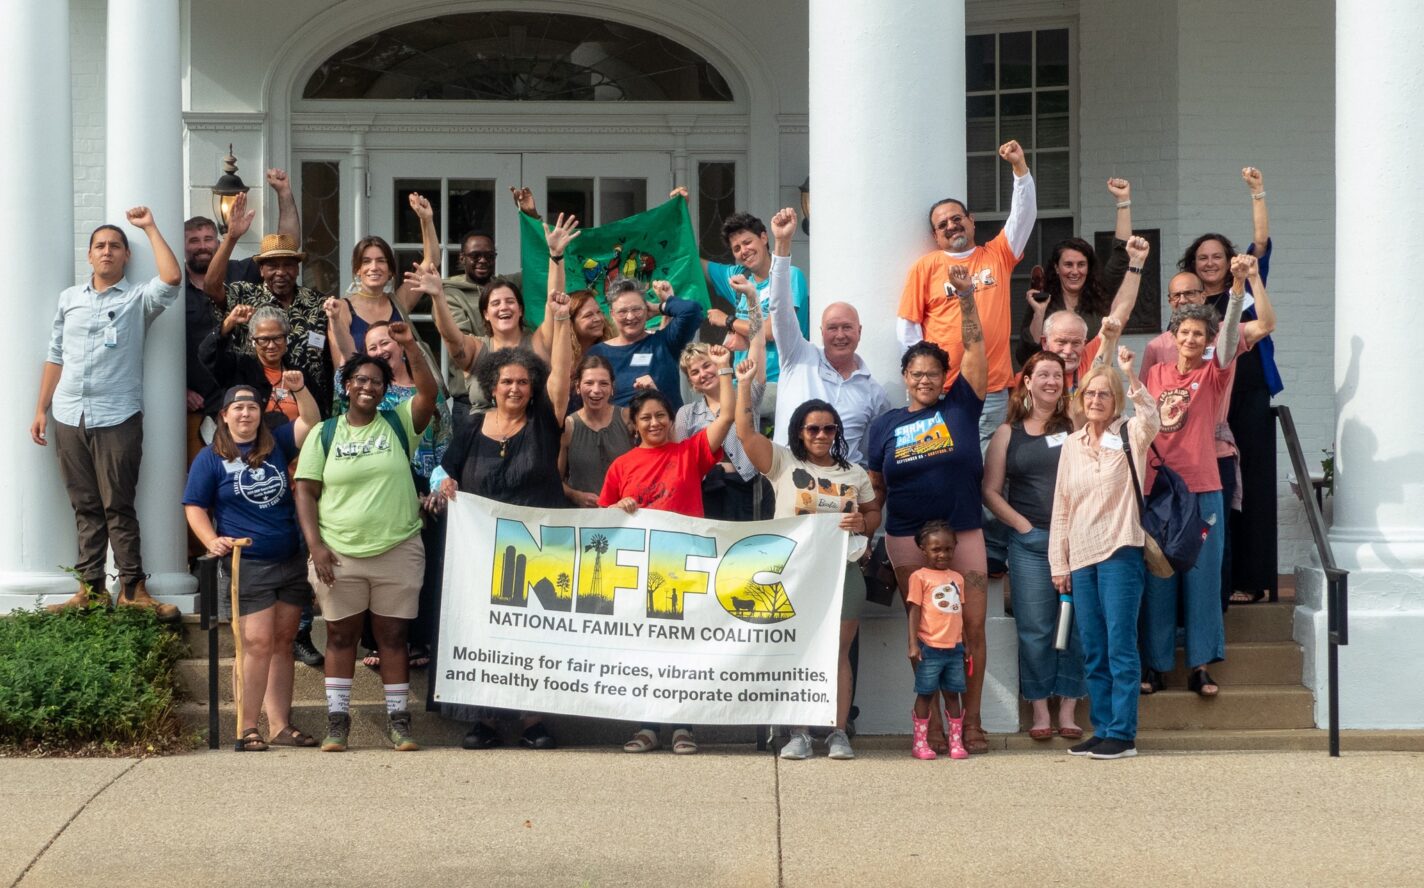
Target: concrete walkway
[[729, 817]]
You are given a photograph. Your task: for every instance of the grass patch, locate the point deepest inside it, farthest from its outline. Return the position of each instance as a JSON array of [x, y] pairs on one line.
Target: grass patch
[[88, 682]]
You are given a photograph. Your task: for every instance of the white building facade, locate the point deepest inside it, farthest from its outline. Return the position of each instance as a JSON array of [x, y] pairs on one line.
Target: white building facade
[[885, 105]]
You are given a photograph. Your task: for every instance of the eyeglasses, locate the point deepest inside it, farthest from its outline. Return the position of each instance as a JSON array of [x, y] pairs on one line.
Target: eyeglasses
[[945, 224], [1096, 396], [367, 381], [815, 431], [924, 375], [268, 340], [628, 312], [477, 255], [1183, 295]]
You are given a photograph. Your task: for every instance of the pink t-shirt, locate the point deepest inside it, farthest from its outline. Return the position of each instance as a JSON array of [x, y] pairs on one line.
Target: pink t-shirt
[[1189, 405], [1163, 350], [940, 595]]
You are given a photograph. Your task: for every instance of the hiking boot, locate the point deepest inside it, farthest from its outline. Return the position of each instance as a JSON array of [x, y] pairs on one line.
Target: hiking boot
[[838, 746], [136, 595], [303, 651], [398, 731], [87, 595], [338, 729], [798, 747]]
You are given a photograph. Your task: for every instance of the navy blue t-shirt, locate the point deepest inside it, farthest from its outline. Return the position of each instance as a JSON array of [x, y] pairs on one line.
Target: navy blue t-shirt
[[654, 355], [248, 502], [931, 462]]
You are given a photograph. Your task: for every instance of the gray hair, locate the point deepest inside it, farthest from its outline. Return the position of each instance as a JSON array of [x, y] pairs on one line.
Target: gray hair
[[1059, 317], [1204, 313], [269, 313]]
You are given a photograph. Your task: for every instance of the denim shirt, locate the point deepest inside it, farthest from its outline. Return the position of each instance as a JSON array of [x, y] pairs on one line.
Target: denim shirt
[[99, 385]]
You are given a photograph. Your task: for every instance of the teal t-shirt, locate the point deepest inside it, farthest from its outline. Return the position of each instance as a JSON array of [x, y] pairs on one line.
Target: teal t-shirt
[[368, 501], [721, 277]]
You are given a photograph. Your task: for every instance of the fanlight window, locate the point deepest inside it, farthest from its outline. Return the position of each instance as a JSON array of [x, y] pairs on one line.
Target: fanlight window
[[518, 56]]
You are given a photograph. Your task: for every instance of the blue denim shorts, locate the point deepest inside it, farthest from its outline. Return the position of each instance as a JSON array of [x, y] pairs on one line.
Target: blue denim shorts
[[940, 669]]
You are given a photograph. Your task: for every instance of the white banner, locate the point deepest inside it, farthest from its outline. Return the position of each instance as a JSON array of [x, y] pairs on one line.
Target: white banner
[[645, 617]]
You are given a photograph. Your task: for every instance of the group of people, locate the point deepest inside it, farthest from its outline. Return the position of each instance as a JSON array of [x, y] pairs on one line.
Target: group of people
[[335, 445]]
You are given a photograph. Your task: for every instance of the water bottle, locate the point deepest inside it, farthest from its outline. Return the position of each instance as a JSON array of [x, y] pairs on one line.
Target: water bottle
[[1065, 622]]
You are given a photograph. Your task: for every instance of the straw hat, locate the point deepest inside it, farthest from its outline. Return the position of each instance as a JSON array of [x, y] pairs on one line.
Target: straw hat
[[279, 246]]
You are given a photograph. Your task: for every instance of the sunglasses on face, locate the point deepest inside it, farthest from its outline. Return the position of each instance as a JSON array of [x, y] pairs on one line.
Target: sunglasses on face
[[815, 431], [477, 255]]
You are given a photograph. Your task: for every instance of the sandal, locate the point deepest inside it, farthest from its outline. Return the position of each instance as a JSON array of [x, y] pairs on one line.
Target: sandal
[[1040, 733], [974, 740], [419, 656], [291, 736], [644, 741], [1202, 683], [1254, 597], [1151, 682], [372, 660], [251, 741], [683, 742], [1070, 732]]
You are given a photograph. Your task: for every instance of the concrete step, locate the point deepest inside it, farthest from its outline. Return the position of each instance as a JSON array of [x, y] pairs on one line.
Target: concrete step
[[1260, 622], [1249, 662], [1236, 708], [368, 721]]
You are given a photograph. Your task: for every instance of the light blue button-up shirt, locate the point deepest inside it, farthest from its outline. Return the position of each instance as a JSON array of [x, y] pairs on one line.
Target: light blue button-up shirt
[[99, 385]]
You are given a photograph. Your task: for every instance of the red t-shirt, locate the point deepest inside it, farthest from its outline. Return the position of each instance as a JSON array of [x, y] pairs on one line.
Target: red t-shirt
[[667, 478], [1189, 405]]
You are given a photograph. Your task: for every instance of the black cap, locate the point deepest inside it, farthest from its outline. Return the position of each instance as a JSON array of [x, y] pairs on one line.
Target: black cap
[[240, 393]]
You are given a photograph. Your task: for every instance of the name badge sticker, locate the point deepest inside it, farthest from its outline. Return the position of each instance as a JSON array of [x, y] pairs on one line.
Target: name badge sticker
[[1111, 441], [316, 339], [233, 466], [1056, 440], [1209, 352], [111, 336], [642, 359]]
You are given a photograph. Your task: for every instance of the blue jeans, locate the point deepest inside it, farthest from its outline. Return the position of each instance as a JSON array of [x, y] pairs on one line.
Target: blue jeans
[[1043, 670], [1106, 597], [996, 409], [940, 669], [1200, 591]]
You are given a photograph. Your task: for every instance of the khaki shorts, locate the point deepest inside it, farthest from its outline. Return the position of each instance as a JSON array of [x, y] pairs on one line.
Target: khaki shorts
[[388, 584]]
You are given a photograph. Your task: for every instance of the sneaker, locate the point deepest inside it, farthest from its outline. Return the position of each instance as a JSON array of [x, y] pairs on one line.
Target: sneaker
[[536, 736], [1113, 748], [481, 736], [338, 729], [398, 731], [303, 651], [1086, 747], [838, 746], [798, 747]]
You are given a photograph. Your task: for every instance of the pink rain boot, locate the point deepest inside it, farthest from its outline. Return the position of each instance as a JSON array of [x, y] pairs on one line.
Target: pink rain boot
[[956, 737], [921, 748]]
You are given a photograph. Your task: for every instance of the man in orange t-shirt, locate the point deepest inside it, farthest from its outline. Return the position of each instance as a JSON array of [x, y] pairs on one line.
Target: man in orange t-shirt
[[926, 312]]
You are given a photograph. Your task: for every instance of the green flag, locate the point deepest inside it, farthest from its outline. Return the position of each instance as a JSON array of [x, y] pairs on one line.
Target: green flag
[[656, 245]]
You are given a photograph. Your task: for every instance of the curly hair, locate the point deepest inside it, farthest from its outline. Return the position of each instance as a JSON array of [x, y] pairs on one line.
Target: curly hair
[[1019, 406], [933, 527], [361, 359], [924, 349], [794, 442], [1094, 300], [738, 222], [1204, 313], [491, 362], [1188, 262]]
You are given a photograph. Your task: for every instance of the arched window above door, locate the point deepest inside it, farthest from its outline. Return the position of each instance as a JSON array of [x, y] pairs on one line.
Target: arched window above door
[[518, 56]]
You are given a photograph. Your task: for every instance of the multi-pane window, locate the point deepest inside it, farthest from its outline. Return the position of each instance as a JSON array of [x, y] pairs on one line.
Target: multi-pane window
[[1018, 86], [321, 226]]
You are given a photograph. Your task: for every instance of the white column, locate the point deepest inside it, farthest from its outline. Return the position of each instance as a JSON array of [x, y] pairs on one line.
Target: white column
[[1378, 532], [144, 165], [887, 140], [36, 235]]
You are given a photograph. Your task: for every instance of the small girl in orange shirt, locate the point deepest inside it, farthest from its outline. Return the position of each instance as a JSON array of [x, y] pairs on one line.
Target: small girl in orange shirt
[[937, 637]]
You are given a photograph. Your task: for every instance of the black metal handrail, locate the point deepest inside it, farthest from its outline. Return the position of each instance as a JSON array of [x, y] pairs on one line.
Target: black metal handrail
[[208, 617], [1337, 581]]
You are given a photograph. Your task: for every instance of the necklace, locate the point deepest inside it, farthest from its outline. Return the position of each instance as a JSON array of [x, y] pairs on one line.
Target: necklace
[[507, 433]]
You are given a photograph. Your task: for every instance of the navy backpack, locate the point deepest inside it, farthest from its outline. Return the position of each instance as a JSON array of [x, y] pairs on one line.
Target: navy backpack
[[1170, 515]]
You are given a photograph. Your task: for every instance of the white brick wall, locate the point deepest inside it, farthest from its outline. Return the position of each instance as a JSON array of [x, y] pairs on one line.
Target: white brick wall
[[1178, 103], [87, 23]]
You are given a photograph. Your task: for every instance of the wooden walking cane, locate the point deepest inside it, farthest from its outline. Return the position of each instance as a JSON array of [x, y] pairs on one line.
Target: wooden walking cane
[[237, 546]]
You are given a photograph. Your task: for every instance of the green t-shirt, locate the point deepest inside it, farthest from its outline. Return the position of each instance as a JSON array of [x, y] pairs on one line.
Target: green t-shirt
[[368, 502]]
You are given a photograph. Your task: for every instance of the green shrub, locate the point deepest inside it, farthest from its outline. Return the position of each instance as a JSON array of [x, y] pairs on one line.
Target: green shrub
[[87, 677]]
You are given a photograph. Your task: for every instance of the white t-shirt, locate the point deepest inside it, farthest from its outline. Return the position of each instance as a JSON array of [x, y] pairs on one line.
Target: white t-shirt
[[804, 488]]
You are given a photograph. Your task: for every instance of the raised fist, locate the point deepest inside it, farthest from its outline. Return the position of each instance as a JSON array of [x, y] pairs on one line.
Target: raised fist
[[293, 380], [663, 289], [959, 279], [278, 180], [1125, 359], [1252, 177], [1112, 328], [1137, 250], [1012, 153], [140, 217], [421, 206], [1243, 266], [783, 224], [1120, 189]]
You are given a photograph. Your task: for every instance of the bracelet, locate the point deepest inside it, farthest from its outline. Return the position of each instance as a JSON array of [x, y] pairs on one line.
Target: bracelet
[[1259, 195], [294, 391], [1124, 204], [558, 258], [724, 371], [1134, 269], [561, 317], [727, 325]]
